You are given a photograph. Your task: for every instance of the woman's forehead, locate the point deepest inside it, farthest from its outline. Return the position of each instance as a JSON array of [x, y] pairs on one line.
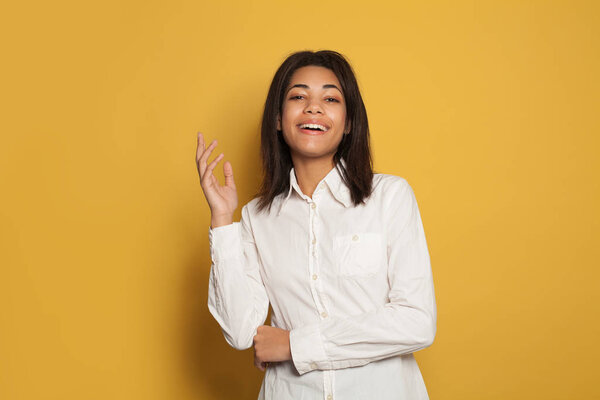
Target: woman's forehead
[[314, 77], [313, 74]]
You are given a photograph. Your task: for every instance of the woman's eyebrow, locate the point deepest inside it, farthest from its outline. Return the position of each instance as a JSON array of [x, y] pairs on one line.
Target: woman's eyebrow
[[332, 86], [304, 86]]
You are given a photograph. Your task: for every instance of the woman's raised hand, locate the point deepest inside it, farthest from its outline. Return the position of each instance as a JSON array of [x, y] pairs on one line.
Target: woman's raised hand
[[222, 200]]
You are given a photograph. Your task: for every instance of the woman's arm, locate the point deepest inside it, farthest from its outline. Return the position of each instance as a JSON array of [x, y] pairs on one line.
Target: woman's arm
[[405, 324], [237, 298]]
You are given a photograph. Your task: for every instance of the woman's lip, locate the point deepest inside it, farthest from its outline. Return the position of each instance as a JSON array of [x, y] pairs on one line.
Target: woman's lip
[[311, 132]]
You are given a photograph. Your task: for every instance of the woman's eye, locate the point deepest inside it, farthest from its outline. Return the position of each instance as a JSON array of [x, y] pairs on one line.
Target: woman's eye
[[296, 97], [332, 100]]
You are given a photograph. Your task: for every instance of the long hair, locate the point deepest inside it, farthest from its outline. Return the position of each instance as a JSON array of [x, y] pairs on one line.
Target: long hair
[[354, 148]]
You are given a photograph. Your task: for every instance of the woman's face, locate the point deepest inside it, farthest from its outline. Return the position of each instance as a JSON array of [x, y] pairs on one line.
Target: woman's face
[[313, 113]]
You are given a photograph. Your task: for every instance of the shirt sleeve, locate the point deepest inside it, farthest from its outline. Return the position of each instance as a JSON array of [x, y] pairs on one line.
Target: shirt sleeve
[[237, 298], [405, 324]]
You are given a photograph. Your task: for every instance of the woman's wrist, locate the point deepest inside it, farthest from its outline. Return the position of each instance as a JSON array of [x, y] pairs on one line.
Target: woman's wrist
[[220, 220]]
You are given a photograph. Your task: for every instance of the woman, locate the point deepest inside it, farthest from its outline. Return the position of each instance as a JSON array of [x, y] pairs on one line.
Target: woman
[[337, 251]]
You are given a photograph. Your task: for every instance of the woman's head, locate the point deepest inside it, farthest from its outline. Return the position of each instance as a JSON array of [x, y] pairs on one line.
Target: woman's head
[[315, 87], [313, 119]]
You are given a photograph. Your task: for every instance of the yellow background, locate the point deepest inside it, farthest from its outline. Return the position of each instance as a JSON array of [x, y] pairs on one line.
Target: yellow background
[[488, 109]]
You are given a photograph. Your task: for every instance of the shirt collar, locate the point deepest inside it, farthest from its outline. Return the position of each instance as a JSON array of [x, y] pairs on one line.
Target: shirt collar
[[334, 182]]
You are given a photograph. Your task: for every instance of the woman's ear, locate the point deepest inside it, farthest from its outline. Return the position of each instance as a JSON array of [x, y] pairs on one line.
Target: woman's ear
[[278, 122]]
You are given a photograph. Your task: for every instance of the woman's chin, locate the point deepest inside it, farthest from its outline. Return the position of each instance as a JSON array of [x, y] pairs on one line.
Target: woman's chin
[[312, 153], [315, 146]]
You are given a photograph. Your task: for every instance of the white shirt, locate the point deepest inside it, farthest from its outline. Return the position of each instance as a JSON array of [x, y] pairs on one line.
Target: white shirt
[[353, 285]]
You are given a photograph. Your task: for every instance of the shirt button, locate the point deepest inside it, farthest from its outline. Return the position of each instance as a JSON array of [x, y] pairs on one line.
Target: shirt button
[[314, 277], [355, 238], [329, 397], [324, 314], [314, 241], [313, 365], [313, 205]]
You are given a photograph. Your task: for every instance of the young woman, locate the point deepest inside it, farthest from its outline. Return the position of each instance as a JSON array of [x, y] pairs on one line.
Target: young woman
[[337, 251]]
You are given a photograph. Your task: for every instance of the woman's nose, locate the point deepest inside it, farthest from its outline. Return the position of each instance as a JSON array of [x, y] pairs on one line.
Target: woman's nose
[[313, 107]]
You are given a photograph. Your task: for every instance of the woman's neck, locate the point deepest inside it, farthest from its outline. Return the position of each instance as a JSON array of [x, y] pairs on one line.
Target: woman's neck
[[309, 172]]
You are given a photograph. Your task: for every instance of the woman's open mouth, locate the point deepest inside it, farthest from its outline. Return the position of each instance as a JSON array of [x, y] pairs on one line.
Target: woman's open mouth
[[313, 129]]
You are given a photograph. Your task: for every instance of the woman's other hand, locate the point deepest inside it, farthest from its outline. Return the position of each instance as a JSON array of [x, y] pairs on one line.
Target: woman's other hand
[[222, 200], [271, 345]]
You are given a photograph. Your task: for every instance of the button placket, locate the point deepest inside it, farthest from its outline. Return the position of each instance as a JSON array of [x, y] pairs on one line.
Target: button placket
[[315, 282], [328, 380], [313, 213], [323, 298]]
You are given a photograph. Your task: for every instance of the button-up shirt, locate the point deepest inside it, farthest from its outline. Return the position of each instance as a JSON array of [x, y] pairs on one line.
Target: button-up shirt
[[352, 284]]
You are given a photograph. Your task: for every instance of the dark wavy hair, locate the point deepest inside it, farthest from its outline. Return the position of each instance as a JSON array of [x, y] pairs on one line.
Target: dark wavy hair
[[354, 148]]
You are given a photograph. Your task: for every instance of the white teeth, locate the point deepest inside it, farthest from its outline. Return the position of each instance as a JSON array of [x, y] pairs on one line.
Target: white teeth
[[313, 126]]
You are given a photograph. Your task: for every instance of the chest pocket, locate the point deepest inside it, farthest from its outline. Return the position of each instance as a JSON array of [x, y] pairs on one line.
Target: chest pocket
[[358, 254]]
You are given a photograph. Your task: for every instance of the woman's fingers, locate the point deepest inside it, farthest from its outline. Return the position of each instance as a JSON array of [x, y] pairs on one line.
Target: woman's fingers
[[200, 149], [256, 360], [200, 145], [204, 156], [228, 172], [213, 164], [259, 364]]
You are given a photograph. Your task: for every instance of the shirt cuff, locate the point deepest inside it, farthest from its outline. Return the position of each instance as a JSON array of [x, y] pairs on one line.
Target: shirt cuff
[[224, 241], [307, 349]]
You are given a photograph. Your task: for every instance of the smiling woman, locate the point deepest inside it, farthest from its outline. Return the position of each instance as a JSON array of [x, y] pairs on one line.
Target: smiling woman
[[337, 251], [313, 114], [317, 88]]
